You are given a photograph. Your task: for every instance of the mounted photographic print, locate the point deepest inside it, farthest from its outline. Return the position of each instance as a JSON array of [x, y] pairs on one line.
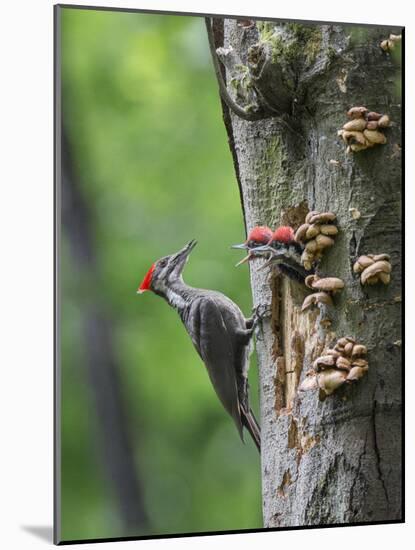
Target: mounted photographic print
[[228, 274]]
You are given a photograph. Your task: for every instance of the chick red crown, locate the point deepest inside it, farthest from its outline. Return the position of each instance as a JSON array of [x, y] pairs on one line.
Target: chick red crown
[[283, 234], [260, 234]]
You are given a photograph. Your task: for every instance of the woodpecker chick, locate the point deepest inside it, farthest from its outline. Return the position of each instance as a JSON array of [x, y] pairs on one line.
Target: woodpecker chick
[[218, 330], [258, 236], [285, 253]]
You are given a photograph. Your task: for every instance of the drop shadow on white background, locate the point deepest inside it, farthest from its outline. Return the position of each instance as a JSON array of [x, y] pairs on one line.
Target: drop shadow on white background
[[43, 532]]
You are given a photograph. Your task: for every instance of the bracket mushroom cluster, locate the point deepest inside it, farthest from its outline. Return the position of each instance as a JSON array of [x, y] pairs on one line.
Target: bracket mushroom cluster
[[316, 234], [364, 130], [344, 364], [373, 268], [324, 287], [390, 43]]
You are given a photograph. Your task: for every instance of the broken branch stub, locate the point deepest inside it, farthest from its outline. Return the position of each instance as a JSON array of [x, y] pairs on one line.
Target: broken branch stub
[[272, 79]]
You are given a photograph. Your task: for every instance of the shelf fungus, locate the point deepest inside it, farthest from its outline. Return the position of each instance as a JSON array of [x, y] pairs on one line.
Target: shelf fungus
[[344, 364], [323, 287], [315, 299], [316, 234], [364, 130], [373, 268], [390, 43]]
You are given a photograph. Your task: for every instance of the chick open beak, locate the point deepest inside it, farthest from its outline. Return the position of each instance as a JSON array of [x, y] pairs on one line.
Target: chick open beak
[[242, 246], [244, 260]]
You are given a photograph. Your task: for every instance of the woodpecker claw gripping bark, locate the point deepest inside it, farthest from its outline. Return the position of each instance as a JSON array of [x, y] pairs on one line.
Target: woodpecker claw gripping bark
[[218, 330], [261, 311]]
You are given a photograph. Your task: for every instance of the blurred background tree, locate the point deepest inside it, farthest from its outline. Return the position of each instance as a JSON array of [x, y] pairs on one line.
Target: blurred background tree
[[147, 169]]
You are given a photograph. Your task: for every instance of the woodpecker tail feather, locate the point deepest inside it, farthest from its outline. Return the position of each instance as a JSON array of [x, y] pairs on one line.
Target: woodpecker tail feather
[[250, 423]]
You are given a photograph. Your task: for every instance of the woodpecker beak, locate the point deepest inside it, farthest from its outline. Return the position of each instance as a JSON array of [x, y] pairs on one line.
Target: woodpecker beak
[[242, 246], [274, 259], [185, 251], [181, 257], [244, 260], [263, 248], [273, 255]]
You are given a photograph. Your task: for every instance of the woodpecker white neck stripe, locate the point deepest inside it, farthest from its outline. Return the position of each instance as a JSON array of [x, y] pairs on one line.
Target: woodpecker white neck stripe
[[174, 299]]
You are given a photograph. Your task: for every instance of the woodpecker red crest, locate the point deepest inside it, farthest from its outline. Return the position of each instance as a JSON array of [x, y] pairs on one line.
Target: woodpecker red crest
[[284, 253], [259, 234], [146, 282], [284, 234]]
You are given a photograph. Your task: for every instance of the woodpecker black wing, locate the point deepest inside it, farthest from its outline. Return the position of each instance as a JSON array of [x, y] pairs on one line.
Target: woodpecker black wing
[[240, 331], [210, 337]]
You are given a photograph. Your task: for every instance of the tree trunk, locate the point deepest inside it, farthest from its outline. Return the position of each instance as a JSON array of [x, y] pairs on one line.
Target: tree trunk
[[336, 460]]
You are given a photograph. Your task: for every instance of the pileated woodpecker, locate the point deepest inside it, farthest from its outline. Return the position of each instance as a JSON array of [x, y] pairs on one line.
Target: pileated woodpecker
[[279, 247], [260, 235], [285, 253], [219, 332]]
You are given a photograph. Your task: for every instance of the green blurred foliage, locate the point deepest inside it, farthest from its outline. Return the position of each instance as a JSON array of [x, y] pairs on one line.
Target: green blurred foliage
[[142, 111]]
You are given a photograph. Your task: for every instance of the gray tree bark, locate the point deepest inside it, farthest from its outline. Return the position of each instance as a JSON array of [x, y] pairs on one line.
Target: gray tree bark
[[337, 460]]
